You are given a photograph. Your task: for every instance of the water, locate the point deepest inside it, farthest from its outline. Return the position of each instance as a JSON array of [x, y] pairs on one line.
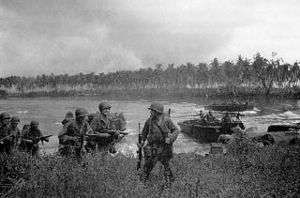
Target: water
[[51, 111]]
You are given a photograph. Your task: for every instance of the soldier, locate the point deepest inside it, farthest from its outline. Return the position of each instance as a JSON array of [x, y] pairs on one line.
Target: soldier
[[69, 117], [158, 136], [15, 131], [31, 137], [226, 118], [73, 134], [91, 117], [210, 117], [6, 138], [201, 114], [102, 125]]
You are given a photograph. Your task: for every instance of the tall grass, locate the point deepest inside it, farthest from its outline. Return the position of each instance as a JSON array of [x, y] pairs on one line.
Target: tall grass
[[245, 171]]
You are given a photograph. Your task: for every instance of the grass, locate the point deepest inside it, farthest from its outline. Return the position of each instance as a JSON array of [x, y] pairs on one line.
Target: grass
[[245, 171]]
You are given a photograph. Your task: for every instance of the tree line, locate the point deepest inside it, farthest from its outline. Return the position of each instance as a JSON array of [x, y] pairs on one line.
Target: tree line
[[259, 73]]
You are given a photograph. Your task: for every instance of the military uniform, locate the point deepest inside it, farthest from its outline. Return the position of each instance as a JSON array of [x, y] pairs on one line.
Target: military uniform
[[209, 117], [15, 131], [72, 136], [30, 139], [69, 118], [155, 133], [6, 144], [100, 124]]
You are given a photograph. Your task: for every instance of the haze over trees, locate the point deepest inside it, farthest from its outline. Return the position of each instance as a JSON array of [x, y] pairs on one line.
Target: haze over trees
[[259, 74]]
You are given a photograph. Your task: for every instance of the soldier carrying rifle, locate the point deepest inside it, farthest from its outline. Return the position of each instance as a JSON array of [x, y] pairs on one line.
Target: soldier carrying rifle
[[73, 134], [104, 128], [158, 136], [6, 137], [31, 137]]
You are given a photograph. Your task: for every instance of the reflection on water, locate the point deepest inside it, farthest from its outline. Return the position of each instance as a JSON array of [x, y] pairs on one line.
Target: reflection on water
[[50, 112]]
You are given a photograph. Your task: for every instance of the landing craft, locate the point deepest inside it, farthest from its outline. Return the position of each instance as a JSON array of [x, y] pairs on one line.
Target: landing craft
[[280, 134], [208, 132]]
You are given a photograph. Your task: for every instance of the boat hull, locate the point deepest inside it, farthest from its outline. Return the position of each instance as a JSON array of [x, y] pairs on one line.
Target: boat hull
[[206, 133]]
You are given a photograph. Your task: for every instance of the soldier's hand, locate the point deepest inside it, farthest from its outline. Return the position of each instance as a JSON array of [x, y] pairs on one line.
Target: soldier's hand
[[1, 142], [168, 140]]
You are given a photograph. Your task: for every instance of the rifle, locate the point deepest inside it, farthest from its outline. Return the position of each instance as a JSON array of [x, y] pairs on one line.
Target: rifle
[[96, 136], [140, 150], [112, 132], [6, 137], [36, 140], [44, 138]]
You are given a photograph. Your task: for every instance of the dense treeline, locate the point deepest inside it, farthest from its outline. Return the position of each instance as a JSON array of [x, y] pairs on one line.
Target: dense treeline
[[259, 74]]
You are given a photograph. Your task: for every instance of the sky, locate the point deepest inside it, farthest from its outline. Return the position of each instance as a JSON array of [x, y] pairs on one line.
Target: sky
[[72, 36]]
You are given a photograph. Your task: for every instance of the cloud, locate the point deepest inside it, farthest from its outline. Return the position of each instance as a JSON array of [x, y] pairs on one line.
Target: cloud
[[71, 36]]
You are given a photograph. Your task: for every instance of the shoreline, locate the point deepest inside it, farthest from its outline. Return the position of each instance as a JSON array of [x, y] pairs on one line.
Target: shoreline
[[181, 93]]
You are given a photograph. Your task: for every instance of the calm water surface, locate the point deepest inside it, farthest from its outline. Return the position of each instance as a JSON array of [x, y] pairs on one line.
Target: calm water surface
[[50, 112]]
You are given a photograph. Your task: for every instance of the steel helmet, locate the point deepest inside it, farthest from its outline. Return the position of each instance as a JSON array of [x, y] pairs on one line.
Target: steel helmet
[[15, 119], [34, 123], [155, 106], [104, 105], [4, 115], [69, 115], [80, 112]]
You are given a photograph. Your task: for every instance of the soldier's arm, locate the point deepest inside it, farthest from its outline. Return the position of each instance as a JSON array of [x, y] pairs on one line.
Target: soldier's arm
[[63, 135], [173, 130]]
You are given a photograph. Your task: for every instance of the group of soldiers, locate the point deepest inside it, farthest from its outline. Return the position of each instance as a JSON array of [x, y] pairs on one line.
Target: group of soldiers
[[90, 132], [12, 138], [97, 132], [209, 117]]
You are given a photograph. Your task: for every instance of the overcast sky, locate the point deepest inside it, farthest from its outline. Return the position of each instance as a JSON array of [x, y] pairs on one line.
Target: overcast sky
[[72, 36]]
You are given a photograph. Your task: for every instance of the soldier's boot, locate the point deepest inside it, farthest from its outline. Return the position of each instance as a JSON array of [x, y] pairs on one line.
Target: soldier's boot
[[146, 172], [144, 177]]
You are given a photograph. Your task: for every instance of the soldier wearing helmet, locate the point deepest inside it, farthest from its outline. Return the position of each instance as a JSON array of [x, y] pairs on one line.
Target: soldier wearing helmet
[[6, 139], [158, 136], [102, 124], [72, 136], [209, 117], [69, 117], [31, 137], [15, 130]]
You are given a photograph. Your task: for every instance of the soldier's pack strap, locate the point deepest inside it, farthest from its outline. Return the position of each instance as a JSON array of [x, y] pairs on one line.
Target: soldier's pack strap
[[164, 134]]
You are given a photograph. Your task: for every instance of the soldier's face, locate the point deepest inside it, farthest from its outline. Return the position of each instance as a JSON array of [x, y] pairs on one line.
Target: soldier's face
[[81, 118], [34, 126], [153, 114], [105, 111]]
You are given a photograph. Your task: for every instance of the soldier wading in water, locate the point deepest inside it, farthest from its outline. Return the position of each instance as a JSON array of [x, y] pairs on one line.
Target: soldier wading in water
[[73, 134], [102, 125], [158, 136]]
